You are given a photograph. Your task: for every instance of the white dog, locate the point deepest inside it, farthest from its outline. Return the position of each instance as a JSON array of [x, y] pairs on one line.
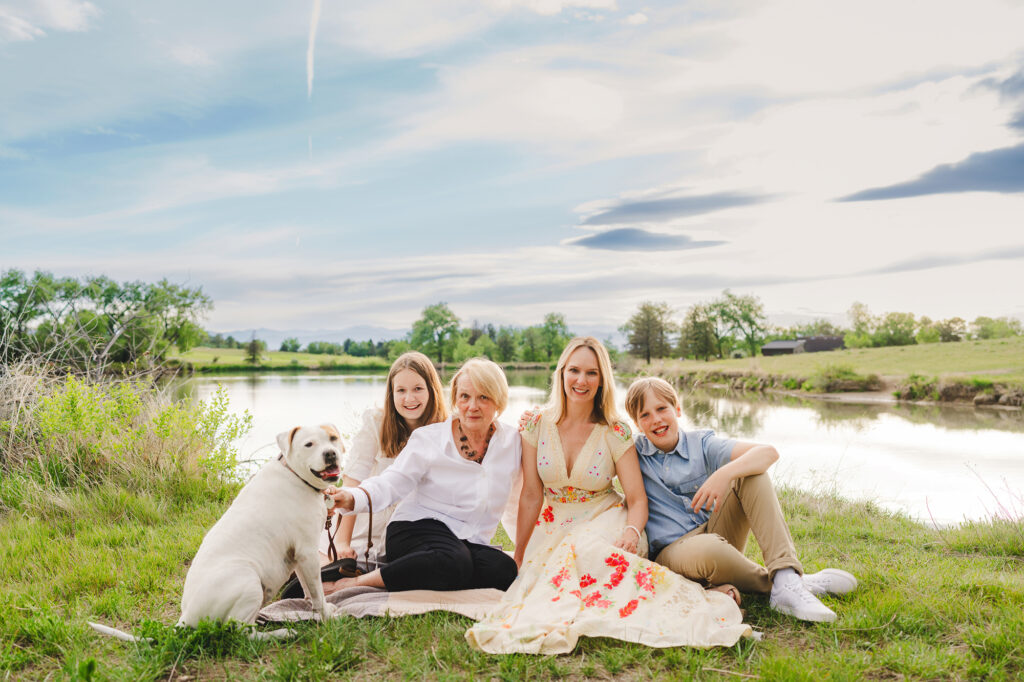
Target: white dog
[[269, 531]]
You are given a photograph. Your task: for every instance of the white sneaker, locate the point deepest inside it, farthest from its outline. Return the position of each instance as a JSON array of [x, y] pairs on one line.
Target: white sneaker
[[830, 581], [793, 599]]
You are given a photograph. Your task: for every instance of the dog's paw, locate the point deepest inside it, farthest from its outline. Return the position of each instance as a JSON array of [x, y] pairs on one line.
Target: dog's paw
[[328, 611]]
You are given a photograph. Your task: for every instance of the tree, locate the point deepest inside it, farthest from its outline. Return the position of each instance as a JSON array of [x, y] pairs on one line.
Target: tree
[[531, 348], [953, 329], [432, 333], [648, 330], [863, 325], [697, 333], [555, 334], [996, 328], [290, 345], [253, 350], [745, 316], [505, 339], [895, 329]]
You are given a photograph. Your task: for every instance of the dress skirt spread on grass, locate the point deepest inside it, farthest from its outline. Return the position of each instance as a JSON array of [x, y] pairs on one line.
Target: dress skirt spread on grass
[[574, 582]]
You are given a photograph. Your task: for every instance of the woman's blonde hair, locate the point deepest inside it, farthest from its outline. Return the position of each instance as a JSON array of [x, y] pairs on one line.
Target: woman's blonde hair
[[638, 391], [394, 430], [488, 378], [604, 402]]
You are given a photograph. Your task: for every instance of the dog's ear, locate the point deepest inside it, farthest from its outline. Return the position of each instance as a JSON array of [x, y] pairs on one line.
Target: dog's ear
[[284, 440], [332, 432]]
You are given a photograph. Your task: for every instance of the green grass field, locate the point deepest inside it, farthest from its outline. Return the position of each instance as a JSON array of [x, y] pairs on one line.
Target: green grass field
[[233, 359], [107, 487], [997, 360], [932, 605]]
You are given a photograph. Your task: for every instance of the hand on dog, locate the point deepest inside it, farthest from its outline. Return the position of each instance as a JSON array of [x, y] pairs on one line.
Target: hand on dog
[[342, 499]]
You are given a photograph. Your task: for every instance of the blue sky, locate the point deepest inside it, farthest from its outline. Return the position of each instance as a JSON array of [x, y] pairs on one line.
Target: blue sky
[[328, 164]]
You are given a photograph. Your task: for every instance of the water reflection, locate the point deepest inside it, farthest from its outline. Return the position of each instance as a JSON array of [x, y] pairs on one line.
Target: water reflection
[[929, 461]]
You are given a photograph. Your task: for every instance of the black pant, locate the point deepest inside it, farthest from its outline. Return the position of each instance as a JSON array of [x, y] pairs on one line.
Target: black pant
[[426, 555]]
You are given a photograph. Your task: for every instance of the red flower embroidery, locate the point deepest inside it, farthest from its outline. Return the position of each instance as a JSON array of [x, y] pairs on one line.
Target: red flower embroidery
[[586, 580], [560, 577], [621, 566], [644, 581], [548, 514], [628, 608], [576, 593]]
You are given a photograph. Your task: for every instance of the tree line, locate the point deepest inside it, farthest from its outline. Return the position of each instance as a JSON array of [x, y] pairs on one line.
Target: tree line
[[88, 323], [732, 325], [439, 334]]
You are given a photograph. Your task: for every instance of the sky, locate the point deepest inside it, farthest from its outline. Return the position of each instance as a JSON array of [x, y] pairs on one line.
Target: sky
[[326, 164]]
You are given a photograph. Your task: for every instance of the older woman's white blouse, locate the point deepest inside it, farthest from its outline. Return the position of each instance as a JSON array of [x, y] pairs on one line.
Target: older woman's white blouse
[[430, 479]]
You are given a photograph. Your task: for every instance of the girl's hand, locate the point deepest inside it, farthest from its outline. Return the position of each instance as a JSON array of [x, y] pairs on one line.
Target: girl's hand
[[628, 540], [346, 552], [526, 416]]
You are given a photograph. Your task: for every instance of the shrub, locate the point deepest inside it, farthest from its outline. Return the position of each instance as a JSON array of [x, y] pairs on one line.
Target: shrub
[[63, 432], [918, 387], [833, 378]]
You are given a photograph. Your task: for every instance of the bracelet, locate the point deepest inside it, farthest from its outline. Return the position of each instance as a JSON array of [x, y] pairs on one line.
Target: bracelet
[[633, 528]]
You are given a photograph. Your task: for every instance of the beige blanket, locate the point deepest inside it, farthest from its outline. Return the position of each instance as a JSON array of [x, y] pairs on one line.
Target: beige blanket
[[372, 601]]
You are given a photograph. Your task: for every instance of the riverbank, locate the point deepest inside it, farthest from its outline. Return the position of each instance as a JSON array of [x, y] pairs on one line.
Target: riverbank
[[984, 373], [204, 360]]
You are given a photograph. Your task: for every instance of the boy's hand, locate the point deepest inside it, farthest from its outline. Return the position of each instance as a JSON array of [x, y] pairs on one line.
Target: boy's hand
[[713, 490]]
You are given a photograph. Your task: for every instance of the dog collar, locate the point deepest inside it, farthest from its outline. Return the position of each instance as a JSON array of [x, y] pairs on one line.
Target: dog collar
[[280, 458]]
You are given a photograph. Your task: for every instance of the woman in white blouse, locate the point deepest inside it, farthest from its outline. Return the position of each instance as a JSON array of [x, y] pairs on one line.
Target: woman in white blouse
[[413, 399], [451, 483]]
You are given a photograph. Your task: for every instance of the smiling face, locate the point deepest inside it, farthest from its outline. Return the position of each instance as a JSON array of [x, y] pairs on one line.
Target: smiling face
[[581, 377], [476, 410], [410, 396], [657, 418], [313, 453]]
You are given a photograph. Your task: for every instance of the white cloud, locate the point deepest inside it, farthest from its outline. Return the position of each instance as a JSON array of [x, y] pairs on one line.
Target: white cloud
[[21, 20], [190, 55], [552, 7], [636, 19]]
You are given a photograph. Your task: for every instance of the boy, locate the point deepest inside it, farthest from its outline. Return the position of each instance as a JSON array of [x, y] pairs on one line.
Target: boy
[[705, 494]]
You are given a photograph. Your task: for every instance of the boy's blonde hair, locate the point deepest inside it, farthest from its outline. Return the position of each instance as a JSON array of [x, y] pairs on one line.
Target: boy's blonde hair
[[638, 389]]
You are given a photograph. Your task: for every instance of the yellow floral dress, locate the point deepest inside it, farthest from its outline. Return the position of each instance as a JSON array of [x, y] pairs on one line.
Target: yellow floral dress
[[574, 582]]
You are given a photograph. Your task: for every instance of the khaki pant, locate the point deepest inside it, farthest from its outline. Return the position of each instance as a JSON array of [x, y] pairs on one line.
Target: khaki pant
[[712, 553]]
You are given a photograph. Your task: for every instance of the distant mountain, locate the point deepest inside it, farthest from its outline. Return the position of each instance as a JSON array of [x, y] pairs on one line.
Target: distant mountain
[[274, 337]]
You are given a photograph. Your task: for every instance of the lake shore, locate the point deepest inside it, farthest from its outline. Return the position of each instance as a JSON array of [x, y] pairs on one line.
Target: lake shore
[[981, 373]]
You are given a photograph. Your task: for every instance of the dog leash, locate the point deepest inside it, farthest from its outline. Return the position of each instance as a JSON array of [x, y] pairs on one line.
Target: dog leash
[[369, 530]]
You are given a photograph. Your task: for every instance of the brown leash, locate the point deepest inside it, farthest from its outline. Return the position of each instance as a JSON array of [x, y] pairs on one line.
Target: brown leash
[[369, 531], [332, 551]]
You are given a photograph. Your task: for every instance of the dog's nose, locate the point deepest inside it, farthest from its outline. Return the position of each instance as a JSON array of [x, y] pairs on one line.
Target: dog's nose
[[330, 457]]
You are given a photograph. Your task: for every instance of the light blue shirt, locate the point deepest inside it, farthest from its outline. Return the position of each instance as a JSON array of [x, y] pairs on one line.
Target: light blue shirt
[[671, 480]]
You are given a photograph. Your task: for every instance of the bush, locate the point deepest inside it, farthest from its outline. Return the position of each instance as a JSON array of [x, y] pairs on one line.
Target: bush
[[918, 387], [832, 378], [64, 432]]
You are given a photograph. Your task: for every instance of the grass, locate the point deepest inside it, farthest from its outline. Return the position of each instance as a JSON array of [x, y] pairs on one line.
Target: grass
[[975, 363], [931, 605], [87, 546], [204, 359]]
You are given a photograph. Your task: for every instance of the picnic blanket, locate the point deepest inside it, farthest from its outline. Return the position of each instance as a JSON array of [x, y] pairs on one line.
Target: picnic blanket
[[374, 601]]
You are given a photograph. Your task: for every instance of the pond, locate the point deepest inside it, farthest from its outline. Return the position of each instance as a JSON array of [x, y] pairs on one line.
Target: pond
[[937, 464]]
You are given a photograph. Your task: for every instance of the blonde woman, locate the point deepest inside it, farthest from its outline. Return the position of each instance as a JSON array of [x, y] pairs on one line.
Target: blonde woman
[[451, 482], [413, 398], [579, 542]]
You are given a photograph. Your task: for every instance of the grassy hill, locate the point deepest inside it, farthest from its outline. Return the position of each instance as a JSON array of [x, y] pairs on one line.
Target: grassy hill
[[976, 363], [204, 359]]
